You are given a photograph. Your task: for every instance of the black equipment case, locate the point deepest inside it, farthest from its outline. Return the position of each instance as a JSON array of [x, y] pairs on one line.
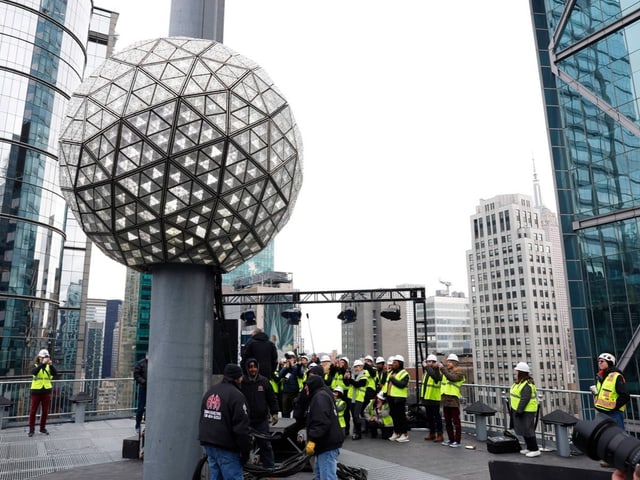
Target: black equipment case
[[504, 444]]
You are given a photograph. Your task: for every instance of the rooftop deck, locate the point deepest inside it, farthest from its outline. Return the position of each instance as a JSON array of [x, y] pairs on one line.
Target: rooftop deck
[[94, 450]]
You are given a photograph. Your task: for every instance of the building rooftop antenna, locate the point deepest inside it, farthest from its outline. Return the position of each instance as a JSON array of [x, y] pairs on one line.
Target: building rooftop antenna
[[446, 284]]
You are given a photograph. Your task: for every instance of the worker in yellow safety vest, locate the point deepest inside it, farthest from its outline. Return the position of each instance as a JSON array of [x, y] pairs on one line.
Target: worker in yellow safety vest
[[42, 374], [378, 417], [452, 380], [524, 407], [430, 395], [397, 391], [610, 391]]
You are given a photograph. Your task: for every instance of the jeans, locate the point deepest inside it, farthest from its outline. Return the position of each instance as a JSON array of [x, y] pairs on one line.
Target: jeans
[[142, 403], [326, 466], [45, 400], [617, 415], [434, 419], [223, 464], [452, 423], [356, 415]]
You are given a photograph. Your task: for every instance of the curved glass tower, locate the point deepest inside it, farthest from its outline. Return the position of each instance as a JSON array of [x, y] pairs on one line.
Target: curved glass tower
[[589, 64], [42, 59]]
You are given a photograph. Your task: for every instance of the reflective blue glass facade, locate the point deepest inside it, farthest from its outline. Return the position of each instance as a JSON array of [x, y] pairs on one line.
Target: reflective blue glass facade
[[589, 67], [260, 263], [45, 46], [42, 58]]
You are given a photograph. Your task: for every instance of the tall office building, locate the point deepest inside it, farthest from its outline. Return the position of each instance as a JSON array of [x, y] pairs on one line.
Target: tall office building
[[93, 349], [512, 283], [44, 47], [448, 323], [134, 322], [588, 63]]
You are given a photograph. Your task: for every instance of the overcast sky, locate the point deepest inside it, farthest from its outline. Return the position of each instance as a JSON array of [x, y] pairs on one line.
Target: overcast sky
[[410, 112]]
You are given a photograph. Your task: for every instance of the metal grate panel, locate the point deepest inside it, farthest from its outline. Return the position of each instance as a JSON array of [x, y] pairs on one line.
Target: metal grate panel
[[382, 470]]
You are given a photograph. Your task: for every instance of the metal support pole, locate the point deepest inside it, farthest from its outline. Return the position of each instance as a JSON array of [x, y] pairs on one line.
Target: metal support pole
[[481, 428], [80, 409], [562, 441], [181, 307], [197, 19]]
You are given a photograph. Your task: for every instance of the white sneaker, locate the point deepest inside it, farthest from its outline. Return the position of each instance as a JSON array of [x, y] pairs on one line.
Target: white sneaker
[[394, 437], [535, 453], [446, 443], [525, 451], [403, 438], [455, 445]]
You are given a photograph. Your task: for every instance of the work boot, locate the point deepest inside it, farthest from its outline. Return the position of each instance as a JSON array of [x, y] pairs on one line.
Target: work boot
[[439, 438], [431, 437]]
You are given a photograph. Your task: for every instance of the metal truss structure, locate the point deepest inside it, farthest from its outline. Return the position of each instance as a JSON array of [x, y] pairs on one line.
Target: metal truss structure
[[416, 295]]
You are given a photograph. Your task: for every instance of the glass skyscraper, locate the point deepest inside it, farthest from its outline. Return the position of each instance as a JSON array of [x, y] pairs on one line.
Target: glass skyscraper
[[45, 46], [589, 64]]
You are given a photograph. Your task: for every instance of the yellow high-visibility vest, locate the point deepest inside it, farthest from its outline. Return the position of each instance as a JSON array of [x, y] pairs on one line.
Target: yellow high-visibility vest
[[516, 393], [607, 395]]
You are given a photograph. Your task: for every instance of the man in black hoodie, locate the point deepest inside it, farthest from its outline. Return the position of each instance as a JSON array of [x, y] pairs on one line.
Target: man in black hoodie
[[224, 425], [263, 350], [262, 403], [324, 435]]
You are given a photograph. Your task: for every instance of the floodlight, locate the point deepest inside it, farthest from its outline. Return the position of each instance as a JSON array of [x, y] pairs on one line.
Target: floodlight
[[392, 312], [348, 315], [248, 317], [292, 315]]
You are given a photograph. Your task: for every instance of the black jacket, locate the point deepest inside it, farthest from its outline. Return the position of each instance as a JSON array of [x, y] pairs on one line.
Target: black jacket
[[260, 397], [140, 372], [264, 351], [323, 427], [224, 422]]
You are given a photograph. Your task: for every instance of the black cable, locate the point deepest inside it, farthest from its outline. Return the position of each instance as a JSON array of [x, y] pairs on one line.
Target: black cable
[[351, 473], [290, 466]]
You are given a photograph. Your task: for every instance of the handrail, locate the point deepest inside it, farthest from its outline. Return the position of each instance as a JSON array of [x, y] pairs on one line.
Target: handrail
[[117, 397]]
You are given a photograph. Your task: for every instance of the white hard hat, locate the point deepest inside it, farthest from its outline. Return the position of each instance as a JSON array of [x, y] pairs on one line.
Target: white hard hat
[[43, 353], [381, 395], [338, 389], [358, 363], [608, 357], [346, 359], [380, 360], [369, 357], [453, 357], [325, 358], [399, 358], [523, 367], [432, 358], [312, 364], [390, 360]]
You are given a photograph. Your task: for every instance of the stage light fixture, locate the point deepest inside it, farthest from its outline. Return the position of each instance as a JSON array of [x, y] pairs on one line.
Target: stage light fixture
[[348, 315], [248, 317], [392, 312], [292, 315]]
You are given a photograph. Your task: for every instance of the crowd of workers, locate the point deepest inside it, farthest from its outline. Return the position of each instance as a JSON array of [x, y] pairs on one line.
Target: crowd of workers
[[332, 398]]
